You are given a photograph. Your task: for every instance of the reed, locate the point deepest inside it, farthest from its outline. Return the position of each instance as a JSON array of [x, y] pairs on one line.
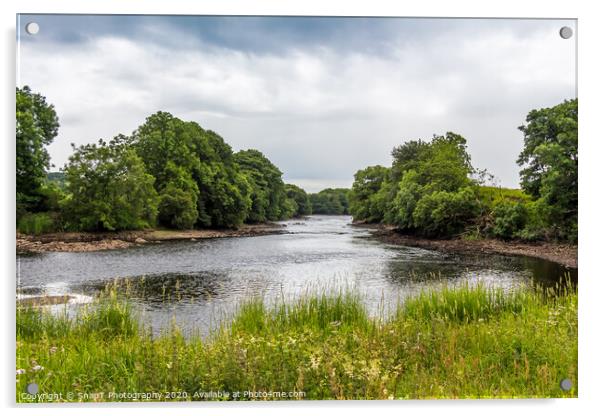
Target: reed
[[467, 341]]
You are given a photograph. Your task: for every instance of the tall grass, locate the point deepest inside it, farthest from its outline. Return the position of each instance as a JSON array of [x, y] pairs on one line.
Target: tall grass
[[38, 223], [467, 341], [465, 303]]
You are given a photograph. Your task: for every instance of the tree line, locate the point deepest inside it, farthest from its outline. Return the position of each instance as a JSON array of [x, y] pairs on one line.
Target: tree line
[[432, 189], [175, 174], [168, 172]]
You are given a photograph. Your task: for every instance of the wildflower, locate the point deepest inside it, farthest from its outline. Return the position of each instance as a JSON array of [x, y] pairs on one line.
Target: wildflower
[[37, 367], [315, 361], [21, 371], [53, 350]]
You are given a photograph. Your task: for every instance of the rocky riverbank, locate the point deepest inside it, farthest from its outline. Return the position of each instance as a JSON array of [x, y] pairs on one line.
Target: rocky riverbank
[[564, 254], [82, 241]]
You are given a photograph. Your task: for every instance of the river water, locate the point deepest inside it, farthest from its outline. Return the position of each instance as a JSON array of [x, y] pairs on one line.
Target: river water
[[199, 283]]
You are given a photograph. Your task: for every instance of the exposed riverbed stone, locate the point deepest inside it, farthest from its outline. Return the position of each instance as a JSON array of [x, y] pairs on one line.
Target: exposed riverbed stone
[[564, 254], [82, 242]]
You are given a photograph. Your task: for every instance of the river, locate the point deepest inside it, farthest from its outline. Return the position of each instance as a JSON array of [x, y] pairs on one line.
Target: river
[[199, 283]]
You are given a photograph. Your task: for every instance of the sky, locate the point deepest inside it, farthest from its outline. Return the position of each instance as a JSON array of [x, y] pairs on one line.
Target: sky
[[320, 97]]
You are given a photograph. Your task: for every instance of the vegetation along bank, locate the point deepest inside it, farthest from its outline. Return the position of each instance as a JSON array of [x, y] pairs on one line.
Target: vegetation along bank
[[432, 191], [461, 342]]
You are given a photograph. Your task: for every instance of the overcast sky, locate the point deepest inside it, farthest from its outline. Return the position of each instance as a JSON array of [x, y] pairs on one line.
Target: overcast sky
[[320, 97]]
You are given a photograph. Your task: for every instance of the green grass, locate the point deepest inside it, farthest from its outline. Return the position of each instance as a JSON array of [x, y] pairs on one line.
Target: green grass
[[492, 195], [462, 342]]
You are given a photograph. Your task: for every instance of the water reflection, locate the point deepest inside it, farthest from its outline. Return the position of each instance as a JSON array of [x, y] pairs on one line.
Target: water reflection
[[197, 283]]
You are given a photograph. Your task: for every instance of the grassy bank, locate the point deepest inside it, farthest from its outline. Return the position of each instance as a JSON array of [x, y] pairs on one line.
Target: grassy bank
[[453, 343]]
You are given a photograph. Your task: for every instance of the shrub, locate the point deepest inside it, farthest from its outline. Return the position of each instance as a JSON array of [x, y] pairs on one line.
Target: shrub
[[445, 213], [509, 219], [39, 223]]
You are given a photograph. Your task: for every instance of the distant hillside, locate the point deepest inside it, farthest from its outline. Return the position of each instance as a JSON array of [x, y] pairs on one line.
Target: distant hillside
[[57, 178]]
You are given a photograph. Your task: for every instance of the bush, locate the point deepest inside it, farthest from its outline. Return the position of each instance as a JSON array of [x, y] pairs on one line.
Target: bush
[[509, 219], [39, 223], [445, 213]]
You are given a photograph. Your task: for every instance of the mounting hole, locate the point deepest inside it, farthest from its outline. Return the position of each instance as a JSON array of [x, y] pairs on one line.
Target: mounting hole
[[32, 388], [566, 32], [566, 384], [32, 28]]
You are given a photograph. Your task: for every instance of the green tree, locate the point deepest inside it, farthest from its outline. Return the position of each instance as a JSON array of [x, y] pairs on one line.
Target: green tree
[[550, 165], [36, 127], [109, 188], [222, 193], [434, 176], [510, 218], [268, 193], [407, 197], [301, 199], [330, 201], [443, 164], [365, 201], [443, 213], [178, 198]]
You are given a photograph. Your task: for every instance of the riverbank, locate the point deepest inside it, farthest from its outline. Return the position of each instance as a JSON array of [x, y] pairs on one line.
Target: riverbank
[[564, 254], [462, 342], [88, 241]]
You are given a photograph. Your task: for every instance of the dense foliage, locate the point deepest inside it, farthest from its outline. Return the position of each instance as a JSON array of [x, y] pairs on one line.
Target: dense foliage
[[268, 192], [301, 199], [549, 161], [431, 188], [428, 189], [197, 180], [330, 201], [365, 201], [168, 172], [37, 125], [109, 188], [176, 174]]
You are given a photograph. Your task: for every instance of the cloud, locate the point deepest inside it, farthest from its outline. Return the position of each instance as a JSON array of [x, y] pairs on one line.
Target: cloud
[[314, 104]]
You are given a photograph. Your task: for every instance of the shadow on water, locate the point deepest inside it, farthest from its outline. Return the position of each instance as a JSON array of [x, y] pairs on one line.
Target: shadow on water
[[548, 273], [418, 266], [198, 282], [160, 289]]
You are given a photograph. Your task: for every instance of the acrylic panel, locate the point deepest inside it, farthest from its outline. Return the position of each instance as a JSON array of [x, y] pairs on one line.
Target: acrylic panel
[[295, 208]]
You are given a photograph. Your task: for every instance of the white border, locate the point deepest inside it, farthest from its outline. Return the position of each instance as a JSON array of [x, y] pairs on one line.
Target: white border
[[590, 34]]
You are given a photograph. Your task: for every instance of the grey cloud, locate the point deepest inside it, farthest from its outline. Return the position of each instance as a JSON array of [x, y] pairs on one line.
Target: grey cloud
[[299, 91]]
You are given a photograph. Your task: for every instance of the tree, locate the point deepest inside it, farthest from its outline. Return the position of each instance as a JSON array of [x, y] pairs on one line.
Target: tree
[[178, 198], [443, 164], [109, 188], [550, 164], [365, 201], [268, 194], [36, 127], [301, 199], [222, 193], [443, 213], [509, 219], [424, 189], [330, 201], [407, 197]]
